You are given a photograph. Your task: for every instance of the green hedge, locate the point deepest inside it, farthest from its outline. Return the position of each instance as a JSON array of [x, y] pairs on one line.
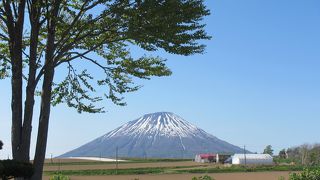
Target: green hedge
[[12, 168], [59, 177]]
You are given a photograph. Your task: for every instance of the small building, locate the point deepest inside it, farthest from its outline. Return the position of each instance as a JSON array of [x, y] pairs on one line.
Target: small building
[[253, 159], [211, 158], [205, 158], [221, 158]]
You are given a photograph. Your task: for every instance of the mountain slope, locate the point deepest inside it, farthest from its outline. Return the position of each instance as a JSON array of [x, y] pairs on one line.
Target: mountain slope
[[162, 135]]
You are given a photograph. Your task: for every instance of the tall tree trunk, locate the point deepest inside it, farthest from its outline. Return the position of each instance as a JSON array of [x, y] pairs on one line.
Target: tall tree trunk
[[16, 106], [43, 124], [30, 89], [46, 95], [16, 36]]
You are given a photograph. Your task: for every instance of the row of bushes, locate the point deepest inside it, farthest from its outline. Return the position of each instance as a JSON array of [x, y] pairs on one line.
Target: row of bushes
[[306, 174], [10, 169]]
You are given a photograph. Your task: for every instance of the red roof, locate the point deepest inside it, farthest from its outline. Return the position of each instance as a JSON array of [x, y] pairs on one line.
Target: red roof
[[207, 156]]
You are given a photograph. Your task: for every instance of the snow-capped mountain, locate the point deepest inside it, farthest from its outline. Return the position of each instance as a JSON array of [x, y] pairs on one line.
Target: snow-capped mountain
[[162, 135]]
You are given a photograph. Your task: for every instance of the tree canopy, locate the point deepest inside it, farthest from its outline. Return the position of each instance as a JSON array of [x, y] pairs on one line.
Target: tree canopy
[[101, 32], [268, 150], [37, 37], [282, 154]]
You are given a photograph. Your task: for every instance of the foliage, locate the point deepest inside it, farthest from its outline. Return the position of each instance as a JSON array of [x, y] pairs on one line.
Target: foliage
[[59, 177], [305, 154], [100, 33], [268, 150], [306, 174], [205, 177], [11, 168], [283, 154], [289, 160]]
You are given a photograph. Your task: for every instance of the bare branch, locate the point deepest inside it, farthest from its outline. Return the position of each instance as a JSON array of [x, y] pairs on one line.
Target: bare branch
[[104, 68], [24, 53], [14, 9]]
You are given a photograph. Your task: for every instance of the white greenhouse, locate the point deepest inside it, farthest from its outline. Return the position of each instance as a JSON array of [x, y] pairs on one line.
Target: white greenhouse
[[254, 159]]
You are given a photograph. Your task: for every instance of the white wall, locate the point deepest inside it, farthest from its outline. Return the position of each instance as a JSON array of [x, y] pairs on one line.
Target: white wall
[[252, 159]]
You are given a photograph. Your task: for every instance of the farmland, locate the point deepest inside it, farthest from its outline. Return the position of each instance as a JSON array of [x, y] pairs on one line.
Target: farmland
[[217, 176], [159, 169]]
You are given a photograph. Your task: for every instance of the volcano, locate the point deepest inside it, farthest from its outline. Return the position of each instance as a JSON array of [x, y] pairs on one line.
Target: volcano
[[156, 135]]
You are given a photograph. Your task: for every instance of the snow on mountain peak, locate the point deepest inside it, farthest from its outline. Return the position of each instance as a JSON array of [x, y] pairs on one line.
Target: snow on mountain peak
[[160, 123], [161, 135]]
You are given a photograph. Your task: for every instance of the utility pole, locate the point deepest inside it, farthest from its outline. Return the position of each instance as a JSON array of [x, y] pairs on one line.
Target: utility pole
[[117, 160], [245, 157], [59, 168]]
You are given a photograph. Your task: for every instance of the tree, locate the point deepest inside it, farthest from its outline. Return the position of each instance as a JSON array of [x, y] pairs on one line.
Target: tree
[[1, 144], [268, 150], [283, 154], [38, 37], [314, 156], [304, 153]]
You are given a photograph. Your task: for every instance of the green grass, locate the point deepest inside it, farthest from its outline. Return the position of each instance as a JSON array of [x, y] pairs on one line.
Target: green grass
[[177, 170], [156, 159], [241, 169], [98, 172], [128, 160], [279, 160], [152, 170]]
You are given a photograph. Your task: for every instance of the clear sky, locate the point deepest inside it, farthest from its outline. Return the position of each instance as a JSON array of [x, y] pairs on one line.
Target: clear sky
[[257, 84]]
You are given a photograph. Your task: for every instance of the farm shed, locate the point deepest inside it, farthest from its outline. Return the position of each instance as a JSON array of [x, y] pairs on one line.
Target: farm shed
[[257, 159], [221, 158], [205, 158]]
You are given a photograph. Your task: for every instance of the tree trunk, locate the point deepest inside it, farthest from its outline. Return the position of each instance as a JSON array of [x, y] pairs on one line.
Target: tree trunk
[[46, 96], [43, 124], [15, 29], [16, 107], [30, 89]]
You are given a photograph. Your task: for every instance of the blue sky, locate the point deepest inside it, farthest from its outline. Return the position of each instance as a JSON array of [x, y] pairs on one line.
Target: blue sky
[[257, 84]]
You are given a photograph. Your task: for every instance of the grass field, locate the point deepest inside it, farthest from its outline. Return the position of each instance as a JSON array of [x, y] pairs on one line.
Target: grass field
[[160, 169], [217, 176]]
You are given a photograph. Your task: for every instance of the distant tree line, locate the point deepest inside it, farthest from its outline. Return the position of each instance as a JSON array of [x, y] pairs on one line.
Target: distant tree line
[[306, 154]]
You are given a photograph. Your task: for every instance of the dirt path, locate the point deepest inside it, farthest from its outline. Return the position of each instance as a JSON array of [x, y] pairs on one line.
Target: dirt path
[[217, 176]]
